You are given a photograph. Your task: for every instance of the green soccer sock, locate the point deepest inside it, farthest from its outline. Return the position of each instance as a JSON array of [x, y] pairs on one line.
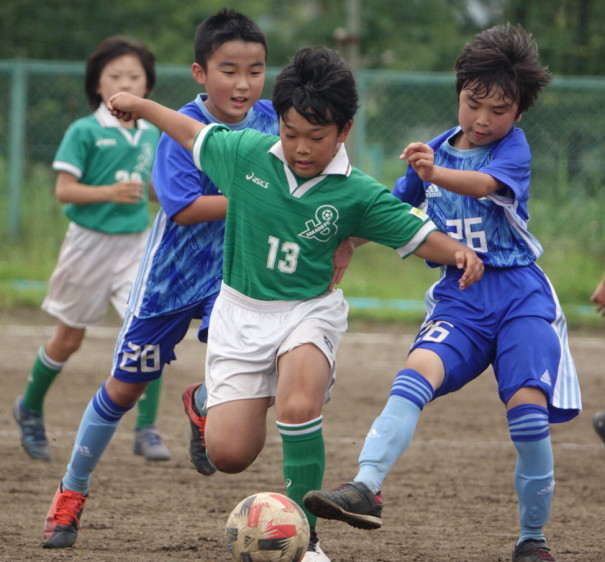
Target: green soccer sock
[[304, 460], [41, 377], [148, 404]]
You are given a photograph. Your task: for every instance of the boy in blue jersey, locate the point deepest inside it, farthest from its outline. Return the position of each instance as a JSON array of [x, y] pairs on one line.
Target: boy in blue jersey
[[473, 181], [180, 274], [276, 327]]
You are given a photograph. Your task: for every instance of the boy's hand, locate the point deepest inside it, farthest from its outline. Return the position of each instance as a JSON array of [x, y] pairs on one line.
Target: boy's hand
[[473, 267], [421, 157], [598, 297], [341, 259], [128, 192], [124, 106]]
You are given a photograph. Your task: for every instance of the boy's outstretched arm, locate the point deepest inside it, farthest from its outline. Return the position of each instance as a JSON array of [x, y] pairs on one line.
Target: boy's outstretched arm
[[598, 297], [440, 248], [464, 182], [181, 128]]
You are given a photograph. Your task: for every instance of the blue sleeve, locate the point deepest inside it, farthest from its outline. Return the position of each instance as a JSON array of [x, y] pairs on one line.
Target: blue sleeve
[[510, 164], [175, 178], [410, 188]]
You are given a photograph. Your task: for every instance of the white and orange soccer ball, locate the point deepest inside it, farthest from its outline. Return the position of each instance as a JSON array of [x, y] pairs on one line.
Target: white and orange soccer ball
[[267, 527]]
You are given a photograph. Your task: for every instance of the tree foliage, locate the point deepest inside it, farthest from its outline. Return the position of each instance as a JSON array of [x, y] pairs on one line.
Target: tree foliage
[[418, 35]]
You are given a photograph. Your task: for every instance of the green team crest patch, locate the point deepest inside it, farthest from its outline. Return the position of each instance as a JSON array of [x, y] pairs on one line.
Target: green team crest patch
[[323, 226]]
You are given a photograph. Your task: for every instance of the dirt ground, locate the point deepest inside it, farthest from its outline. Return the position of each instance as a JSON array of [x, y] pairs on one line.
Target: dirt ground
[[450, 497]]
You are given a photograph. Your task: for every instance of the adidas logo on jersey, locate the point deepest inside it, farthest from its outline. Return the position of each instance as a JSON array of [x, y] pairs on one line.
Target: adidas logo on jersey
[[255, 179], [545, 378], [433, 191]]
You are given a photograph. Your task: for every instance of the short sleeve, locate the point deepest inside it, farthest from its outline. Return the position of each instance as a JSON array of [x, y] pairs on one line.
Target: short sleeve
[[73, 151], [392, 223], [511, 162], [175, 178], [215, 153], [409, 188]]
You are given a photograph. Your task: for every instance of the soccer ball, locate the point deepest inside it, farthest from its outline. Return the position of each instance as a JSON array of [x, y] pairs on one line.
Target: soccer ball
[[267, 527]]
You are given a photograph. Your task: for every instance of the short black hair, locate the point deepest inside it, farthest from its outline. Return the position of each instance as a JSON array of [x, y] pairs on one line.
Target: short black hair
[[109, 49], [319, 85], [506, 57], [225, 25]]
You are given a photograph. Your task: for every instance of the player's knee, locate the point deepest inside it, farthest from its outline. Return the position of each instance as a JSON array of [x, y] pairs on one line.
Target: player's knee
[[65, 347], [229, 460], [299, 410]]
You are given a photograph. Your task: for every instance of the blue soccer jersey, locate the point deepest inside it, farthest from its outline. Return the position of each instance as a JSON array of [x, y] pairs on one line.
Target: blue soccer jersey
[[512, 318], [184, 264], [494, 226]]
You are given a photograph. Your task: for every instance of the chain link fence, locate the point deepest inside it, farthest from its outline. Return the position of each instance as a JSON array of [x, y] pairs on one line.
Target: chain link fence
[[566, 132]]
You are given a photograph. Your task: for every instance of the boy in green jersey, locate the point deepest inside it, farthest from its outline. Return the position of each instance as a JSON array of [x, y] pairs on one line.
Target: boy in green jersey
[[275, 328]]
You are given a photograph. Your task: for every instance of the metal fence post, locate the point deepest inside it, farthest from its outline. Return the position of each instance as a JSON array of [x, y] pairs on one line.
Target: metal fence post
[[16, 146]]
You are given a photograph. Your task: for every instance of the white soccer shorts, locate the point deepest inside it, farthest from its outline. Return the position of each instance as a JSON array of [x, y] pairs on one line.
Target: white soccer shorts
[[94, 270], [247, 337]]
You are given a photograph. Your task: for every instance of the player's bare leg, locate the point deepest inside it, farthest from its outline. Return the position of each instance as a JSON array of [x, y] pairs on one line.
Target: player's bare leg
[[236, 433]]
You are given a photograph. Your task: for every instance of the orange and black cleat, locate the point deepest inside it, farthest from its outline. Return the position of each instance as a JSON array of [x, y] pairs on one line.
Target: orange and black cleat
[[63, 518], [197, 443]]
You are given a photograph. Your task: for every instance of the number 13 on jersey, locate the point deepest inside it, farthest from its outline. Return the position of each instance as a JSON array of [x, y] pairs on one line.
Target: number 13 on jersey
[[289, 251]]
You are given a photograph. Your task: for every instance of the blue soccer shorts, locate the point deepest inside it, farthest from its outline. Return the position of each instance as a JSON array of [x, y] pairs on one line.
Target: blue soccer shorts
[[510, 319], [146, 345]]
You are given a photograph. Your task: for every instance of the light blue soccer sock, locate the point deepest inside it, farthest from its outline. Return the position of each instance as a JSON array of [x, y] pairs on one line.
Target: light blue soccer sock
[[392, 431], [534, 473], [199, 398], [99, 422]]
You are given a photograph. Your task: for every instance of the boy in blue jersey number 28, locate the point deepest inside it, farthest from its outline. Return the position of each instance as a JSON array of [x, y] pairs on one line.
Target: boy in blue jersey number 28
[[473, 181], [275, 329], [181, 270]]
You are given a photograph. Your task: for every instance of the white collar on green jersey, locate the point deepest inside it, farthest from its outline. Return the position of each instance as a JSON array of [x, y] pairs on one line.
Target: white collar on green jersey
[[339, 165], [108, 121]]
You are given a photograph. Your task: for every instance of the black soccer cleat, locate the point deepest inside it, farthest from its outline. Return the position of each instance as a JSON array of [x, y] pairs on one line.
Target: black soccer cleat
[[532, 550], [598, 422], [352, 502]]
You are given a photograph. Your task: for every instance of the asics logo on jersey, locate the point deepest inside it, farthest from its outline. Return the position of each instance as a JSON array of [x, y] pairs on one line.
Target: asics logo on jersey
[[288, 483], [328, 343], [432, 191], [323, 226], [255, 179], [545, 378], [106, 142]]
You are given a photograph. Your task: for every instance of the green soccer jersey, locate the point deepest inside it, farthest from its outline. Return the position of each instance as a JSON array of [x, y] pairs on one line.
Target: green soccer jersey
[[282, 230], [99, 151]]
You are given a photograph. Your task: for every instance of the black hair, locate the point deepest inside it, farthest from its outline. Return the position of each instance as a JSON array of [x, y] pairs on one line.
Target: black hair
[[319, 85], [225, 25], [109, 49], [505, 57]]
